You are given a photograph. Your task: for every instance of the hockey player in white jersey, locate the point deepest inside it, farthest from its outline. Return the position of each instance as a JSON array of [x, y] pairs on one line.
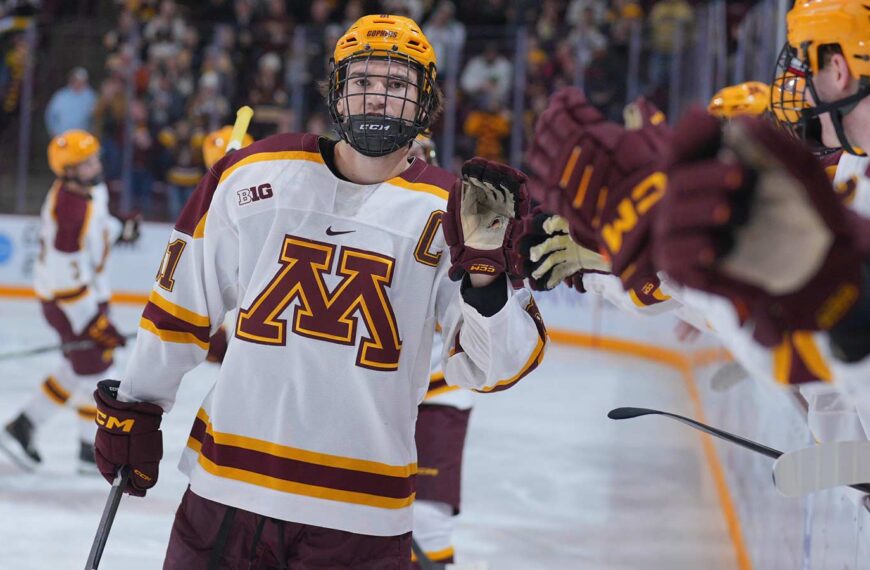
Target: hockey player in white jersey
[[70, 278], [303, 453]]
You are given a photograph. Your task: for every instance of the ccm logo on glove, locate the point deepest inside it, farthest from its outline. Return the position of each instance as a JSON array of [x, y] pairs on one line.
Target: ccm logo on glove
[[111, 422]]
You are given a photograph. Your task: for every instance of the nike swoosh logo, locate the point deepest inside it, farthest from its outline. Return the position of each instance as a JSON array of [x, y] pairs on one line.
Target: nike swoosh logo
[[329, 232]]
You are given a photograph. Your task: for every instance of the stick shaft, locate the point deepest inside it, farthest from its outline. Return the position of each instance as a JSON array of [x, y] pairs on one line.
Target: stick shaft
[[112, 502], [736, 439], [68, 346]]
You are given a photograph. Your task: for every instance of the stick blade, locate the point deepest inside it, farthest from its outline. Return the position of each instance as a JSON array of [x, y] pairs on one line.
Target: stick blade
[[824, 466], [628, 413]]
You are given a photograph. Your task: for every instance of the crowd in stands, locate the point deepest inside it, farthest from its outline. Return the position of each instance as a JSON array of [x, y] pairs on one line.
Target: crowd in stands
[[175, 70]]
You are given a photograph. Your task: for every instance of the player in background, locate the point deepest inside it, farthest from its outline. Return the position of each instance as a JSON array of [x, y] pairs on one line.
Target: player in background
[[303, 453], [606, 181], [751, 98], [440, 433], [214, 147], [71, 281]]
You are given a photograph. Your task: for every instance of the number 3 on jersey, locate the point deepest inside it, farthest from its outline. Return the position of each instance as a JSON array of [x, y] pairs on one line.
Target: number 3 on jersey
[[324, 315]]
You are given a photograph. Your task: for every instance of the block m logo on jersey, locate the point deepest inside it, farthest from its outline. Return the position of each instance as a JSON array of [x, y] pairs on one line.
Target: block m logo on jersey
[[324, 315]]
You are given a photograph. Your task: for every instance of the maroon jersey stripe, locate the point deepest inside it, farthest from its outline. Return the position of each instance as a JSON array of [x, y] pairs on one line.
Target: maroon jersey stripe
[[164, 321], [421, 173], [298, 471], [71, 211]]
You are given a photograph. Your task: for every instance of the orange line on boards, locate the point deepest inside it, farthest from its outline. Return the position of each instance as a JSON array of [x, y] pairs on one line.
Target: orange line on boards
[[685, 365], [120, 297]]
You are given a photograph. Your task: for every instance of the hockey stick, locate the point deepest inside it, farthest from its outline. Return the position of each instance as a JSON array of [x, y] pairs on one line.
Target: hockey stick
[[65, 347], [112, 502], [628, 413], [822, 466]]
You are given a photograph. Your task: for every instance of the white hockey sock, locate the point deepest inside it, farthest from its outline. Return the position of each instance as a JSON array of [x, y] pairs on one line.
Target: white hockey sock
[[433, 528], [54, 393]]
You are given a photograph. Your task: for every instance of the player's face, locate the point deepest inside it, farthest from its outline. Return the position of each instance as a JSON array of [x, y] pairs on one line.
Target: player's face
[[90, 169], [377, 87], [834, 82]]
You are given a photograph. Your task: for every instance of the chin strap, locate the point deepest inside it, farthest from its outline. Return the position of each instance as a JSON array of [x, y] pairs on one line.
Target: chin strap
[[838, 110]]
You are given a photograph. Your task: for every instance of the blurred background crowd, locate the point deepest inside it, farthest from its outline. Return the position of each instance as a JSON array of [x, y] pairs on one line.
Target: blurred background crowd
[[151, 77]]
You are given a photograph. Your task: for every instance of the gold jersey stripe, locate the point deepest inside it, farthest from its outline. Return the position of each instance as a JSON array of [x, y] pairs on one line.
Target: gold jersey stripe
[[178, 311], [171, 336]]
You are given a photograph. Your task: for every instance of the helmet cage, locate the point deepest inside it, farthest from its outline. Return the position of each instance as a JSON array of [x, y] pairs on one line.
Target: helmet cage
[[374, 134], [789, 104]]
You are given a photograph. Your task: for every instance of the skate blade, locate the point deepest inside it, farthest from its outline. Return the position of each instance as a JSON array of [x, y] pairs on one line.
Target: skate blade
[[11, 447]]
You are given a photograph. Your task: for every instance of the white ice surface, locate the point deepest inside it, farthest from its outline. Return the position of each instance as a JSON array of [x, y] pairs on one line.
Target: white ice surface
[[549, 482]]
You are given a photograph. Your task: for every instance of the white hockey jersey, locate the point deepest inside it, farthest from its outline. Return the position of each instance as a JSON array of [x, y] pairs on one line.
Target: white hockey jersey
[[439, 391], [339, 288], [852, 181], [76, 236]]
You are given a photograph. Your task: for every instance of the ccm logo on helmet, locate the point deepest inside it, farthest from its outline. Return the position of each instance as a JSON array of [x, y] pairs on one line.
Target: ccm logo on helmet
[[482, 268], [111, 422], [374, 127], [254, 193]]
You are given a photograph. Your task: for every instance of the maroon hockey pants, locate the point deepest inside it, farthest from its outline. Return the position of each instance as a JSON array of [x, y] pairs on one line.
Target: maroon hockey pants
[[210, 536]]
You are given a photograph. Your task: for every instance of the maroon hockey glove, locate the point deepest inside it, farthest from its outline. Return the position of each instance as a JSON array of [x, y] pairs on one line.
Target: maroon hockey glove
[[483, 212], [750, 214], [217, 346], [104, 333], [127, 434], [603, 178]]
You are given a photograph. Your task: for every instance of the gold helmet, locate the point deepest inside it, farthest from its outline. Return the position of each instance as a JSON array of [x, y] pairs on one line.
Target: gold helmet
[[842, 25], [69, 149], [215, 144], [390, 53], [750, 98]]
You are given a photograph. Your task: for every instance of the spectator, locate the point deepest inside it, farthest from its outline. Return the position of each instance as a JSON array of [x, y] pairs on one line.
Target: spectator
[[110, 114], [605, 82], [549, 23], [71, 107], [122, 33], [165, 103], [267, 88], [167, 27], [183, 145], [667, 19], [208, 109], [579, 12], [444, 30], [275, 27], [487, 77], [144, 158], [489, 128], [586, 37]]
